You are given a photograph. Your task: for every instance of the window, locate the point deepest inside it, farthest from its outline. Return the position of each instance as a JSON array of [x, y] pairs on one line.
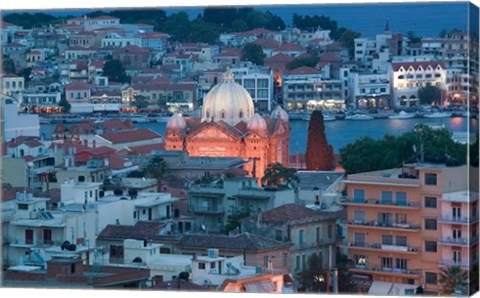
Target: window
[[359, 239], [401, 218], [359, 216], [330, 231], [201, 265], [401, 240], [430, 202], [387, 239], [47, 236], [28, 236], [297, 263], [430, 246], [359, 195], [116, 252], [387, 262], [278, 235], [317, 234], [430, 179], [457, 233], [386, 197], [431, 278], [22, 206], [360, 260], [457, 256], [285, 259], [300, 237], [456, 212], [212, 265], [401, 198], [385, 218], [401, 264], [430, 224]]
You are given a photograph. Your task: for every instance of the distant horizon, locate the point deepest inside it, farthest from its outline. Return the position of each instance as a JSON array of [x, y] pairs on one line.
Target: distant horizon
[[426, 19]]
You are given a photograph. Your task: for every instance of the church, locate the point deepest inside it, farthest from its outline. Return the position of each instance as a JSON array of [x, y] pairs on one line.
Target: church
[[229, 127]]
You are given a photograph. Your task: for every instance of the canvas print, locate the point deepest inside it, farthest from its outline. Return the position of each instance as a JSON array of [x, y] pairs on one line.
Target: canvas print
[[317, 149]]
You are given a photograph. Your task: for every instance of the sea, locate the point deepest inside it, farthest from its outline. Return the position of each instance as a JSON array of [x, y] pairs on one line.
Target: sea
[[425, 19], [340, 133]]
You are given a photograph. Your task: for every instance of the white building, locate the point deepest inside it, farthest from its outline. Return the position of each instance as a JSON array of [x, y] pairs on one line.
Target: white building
[[15, 124], [306, 88], [320, 37], [258, 84], [369, 90], [408, 77]]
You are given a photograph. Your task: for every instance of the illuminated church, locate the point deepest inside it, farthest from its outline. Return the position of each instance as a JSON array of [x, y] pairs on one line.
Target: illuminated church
[[229, 127]]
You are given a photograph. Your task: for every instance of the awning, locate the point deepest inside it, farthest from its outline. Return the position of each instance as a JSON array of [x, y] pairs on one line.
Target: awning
[[381, 288], [260, 287]]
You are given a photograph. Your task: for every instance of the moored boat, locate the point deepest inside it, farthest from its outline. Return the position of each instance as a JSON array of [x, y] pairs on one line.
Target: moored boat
[[402, 115], [359, 117]]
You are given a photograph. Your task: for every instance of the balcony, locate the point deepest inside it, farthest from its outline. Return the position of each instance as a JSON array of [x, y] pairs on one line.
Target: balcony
[[211, 190], [385, 270], [379, 203], [383, 247], [463, 241], [408, 227], [214, 210], [449, 262], [457, 220], [258, 194]]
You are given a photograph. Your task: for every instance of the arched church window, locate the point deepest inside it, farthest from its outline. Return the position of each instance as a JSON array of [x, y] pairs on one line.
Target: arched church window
[[223, 114], [208, 114], [240, 114]]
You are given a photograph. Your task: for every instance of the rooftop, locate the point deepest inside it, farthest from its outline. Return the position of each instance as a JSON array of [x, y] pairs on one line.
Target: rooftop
[[245, 241]]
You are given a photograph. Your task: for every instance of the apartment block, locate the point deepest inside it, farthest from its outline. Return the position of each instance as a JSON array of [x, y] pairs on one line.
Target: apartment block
[[405, 224]]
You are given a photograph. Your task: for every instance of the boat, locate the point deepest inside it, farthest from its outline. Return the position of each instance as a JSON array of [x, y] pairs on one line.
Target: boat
[[329, 117], [438, 115], [359, 117], [402, 115]]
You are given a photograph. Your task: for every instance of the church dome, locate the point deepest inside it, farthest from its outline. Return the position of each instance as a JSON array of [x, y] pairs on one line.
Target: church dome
[[228, 101], [257, 124], [279, 112], [176, 122]]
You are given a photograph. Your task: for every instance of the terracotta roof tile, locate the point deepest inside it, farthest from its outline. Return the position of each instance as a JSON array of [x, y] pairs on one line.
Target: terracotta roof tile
[[141, 230], [291, 212], [245, 241], [303, 70], [416, 65], [77, 85]]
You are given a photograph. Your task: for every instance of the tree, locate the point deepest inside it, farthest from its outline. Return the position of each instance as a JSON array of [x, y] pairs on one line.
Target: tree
[[435, 145], [412, 38], [254, 53], [64, 104], [156, 168], [233, 220], [345, 280], [178, 26], [347, 39], [276, 174], [8, 66], [452, 278], [299, 62], [314, 278], [429, 95], [319, 155], [115, 71]]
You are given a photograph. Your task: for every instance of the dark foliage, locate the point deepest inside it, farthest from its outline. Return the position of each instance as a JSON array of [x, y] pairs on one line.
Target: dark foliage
[[319, 155]]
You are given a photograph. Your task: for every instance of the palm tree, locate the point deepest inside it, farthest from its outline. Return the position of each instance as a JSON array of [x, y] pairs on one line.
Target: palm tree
[[451, 279]]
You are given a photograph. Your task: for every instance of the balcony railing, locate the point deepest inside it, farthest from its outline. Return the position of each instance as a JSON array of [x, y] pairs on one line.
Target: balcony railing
[[379, 246], [387, 270], [380, 203], [458, 220], [375, 224], [206, 209], [449, 262], [467, 241]]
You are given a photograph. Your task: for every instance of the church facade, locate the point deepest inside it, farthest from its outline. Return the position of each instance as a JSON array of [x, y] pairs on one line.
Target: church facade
[[230, 128]]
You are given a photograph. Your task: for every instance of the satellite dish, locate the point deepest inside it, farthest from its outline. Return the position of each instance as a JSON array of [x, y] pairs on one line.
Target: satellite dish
[[204, 227]]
